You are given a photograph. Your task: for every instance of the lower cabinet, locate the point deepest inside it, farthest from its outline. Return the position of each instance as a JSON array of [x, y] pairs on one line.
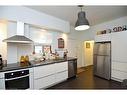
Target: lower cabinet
[[119, 71], [2, 81], [44, 82], [119, 75], [43, 77], [60, 76]]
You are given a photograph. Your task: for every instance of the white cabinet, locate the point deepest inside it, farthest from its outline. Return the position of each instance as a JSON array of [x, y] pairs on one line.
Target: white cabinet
[[2, 81], [61, 71], [119, 71], [102, 38], [42, 71], [47, 75], [31, 80], [119, 56], [120, 66], [44, 82], [24, 14], [44, 76], [119, 46], [118, 75], [63, 66], [60, 76]]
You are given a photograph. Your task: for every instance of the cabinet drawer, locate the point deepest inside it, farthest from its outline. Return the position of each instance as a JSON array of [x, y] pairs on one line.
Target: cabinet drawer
[[61, 76], [119, 74], [61, 66], [121, 66], [42, 71], [44, 82]]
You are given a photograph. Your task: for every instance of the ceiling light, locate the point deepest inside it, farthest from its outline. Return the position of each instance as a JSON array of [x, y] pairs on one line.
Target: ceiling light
[[82, 23]]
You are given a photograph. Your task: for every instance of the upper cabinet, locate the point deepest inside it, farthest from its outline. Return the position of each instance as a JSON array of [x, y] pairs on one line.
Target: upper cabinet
[[26, 15], [102, 38], [40, 36], [119, 46]]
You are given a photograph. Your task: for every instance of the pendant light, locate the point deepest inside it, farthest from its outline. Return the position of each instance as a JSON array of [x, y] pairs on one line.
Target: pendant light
[[82, 23]]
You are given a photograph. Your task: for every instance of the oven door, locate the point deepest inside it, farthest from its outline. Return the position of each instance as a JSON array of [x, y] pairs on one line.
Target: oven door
[[19, 81]]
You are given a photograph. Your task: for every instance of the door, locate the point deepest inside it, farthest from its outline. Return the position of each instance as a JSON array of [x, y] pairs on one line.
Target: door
[[88, 53]]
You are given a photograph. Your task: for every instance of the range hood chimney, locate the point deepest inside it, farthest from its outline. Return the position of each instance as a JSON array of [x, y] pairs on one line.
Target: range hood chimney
[[19, 37]]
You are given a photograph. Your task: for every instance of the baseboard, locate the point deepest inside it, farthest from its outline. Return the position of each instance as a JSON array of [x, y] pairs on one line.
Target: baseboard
[[85, 66], [116, 79]]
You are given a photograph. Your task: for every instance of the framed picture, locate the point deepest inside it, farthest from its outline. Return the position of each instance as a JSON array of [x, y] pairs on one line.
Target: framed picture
[[87, 45], [47, 48], [60, 43]]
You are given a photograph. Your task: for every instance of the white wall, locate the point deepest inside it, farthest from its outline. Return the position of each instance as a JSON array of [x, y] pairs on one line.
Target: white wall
[[19, 13], [30, 16], [14, 51], [3, 35], [90, 33], [73, 45]]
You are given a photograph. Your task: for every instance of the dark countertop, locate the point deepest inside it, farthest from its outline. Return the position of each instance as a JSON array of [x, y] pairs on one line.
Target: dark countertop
[[16, 66]]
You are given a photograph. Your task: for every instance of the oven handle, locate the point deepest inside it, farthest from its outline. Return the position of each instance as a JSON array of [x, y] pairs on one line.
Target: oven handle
[[17, 77]]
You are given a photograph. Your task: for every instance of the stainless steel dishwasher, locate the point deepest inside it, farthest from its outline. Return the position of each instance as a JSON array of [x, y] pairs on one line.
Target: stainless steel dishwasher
[[72, 68]]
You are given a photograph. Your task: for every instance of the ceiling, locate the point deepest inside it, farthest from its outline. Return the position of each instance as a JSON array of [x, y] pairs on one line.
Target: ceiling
[[94, 14]]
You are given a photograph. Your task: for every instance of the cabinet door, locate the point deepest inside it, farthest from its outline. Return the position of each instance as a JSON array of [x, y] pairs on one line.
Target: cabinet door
[[61, 66], [103, 37], [119, 71], [120, 66], [44, 82], [2, 84], [118, 75], [2, 81], [119, 46], [42, 71], [61, 76]]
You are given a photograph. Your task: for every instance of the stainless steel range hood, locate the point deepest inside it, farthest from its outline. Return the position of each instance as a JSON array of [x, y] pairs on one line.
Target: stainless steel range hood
[[19, 37]]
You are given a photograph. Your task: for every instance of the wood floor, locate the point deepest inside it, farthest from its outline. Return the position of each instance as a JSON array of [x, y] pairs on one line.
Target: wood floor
[[86, 80]]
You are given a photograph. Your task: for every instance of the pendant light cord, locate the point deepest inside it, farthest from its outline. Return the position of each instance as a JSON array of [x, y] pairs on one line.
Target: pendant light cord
[[81, 9], [80, 6]]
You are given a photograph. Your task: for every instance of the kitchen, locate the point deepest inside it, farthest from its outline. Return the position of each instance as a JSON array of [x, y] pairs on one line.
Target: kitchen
[[52, 35]]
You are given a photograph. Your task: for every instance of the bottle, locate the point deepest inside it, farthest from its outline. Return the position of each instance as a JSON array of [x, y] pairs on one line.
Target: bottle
[[26, 59], [1, 61], [22, 59], [43, 56]]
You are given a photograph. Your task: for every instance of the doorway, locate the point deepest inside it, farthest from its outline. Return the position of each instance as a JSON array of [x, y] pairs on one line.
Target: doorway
[[88, 52]]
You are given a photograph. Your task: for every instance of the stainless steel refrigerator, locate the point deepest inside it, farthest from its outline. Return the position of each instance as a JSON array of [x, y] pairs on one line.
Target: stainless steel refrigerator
[[102, 59]]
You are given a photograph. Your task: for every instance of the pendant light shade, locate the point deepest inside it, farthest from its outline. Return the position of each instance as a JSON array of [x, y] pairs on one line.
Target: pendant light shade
[[82, 23]]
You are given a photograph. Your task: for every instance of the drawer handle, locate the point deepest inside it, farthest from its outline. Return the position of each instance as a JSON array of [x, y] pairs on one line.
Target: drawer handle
[[44, 76], [61, 71]]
